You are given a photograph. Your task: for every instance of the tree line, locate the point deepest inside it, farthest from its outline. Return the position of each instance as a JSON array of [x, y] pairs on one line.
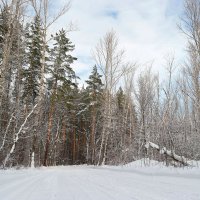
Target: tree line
[[48, 119]]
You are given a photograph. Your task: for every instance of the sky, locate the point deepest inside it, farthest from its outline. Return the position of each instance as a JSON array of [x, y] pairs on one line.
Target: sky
[[147, 30]]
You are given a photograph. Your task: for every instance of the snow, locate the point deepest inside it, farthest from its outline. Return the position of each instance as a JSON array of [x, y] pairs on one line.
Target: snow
[[153, 145], [134, 181]]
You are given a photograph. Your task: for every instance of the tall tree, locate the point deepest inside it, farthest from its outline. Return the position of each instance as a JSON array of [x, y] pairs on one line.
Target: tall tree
[[32, 72], [95, 94], [62, 77]]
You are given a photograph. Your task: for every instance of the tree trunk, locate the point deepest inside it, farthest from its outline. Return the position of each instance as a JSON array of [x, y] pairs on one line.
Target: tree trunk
[[48, 139]]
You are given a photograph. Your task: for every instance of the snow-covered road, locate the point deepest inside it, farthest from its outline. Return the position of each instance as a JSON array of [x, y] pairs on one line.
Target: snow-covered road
[[103, 183]]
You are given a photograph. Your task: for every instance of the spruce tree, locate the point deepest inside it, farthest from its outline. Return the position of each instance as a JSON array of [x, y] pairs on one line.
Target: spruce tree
[[10, 60], [94, 86], [10, 44], [32, 72], [120, 99], [94, 96], [4, 17]]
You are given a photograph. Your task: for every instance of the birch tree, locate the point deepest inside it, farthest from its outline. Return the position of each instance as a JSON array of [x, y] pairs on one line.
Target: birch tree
[[145, 91], [109, 59]]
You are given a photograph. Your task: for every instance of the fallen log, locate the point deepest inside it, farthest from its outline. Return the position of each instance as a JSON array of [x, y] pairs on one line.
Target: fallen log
[[171, 154]]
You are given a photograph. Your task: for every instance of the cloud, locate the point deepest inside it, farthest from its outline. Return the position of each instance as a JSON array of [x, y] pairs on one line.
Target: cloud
[[147, 29]]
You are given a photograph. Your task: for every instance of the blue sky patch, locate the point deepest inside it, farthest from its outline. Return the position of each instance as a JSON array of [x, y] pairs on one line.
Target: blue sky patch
[[112, 13]]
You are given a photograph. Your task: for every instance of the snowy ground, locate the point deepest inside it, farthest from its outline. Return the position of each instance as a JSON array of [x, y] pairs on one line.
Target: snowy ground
[[101, 183]]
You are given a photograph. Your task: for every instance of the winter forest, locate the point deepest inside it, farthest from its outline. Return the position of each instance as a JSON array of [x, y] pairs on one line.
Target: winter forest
[[120, 114]]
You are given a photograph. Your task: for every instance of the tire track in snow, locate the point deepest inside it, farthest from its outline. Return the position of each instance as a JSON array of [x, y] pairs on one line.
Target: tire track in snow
[[87, 183], [20, 187]]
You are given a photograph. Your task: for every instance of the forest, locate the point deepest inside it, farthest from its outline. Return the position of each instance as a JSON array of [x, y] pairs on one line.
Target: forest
[[120, 114]]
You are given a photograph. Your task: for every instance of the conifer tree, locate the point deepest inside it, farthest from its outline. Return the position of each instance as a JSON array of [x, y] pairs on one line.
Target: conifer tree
[[94, 86], [94, 91], [4, 70], [120, 99], [62, 78], [4, 16], [32, 72], [10, 46], [62, 74]]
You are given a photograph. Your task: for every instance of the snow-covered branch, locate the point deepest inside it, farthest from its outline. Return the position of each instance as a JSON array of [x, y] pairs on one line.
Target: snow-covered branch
[[6, 132], [16, 136], [171, 154]]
